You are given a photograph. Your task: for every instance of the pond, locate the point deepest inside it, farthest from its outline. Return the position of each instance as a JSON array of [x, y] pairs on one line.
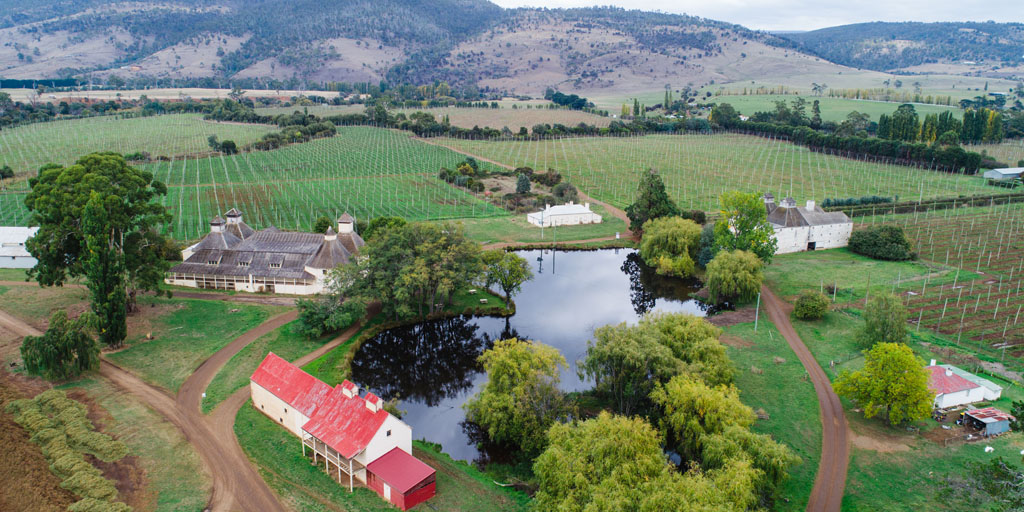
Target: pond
[[432, 367]]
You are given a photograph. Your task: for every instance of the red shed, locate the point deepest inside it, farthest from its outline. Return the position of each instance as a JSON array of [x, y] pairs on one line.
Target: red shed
[[402, 479]]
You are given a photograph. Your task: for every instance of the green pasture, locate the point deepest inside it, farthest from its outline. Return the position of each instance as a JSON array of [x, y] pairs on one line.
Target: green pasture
[[186, 333], [832, 109], [697, 168], [468, 117], [27, 148], [771, 379]]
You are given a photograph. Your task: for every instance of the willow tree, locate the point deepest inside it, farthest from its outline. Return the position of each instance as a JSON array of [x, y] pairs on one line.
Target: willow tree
[[98, 219]]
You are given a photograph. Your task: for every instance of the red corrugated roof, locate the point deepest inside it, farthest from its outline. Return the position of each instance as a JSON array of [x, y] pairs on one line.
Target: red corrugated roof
[[345, 424], [941, 383], [400, 470], [288, 382], [990, 412]]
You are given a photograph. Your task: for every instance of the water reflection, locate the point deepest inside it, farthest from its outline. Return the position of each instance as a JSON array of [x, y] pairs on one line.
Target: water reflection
[[432, 366]]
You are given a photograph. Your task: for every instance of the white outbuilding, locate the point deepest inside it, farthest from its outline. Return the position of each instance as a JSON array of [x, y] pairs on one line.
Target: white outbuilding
[[951, 388], [1007, 174], [569, 214], [13, 253], [806, 228]]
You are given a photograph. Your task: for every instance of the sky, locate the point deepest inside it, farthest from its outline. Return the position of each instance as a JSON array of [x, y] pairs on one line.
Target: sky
[[809, 14]]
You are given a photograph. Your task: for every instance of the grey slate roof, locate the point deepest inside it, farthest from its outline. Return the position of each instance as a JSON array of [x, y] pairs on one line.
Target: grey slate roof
[[795, 216], [268, 253]]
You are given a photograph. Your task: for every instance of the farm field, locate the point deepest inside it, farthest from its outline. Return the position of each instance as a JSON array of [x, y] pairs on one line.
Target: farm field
[[368, 172], [982, 310], [698, 168], [27, 148], [832, 109], [497, 118], [1009, 152]]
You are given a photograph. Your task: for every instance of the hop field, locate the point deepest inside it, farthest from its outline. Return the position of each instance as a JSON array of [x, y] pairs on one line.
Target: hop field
[[368, 172], [698, 168], [982, 304], [27, 148]]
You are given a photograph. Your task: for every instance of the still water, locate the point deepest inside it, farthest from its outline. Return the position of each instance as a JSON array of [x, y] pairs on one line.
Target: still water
[[432, 366]]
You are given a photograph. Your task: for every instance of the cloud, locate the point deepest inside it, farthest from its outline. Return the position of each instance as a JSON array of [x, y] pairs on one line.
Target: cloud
[[807, 14]]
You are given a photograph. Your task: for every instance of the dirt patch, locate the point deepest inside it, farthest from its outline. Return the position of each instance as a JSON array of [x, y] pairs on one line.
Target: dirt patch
[[28, 483], [878, 445], [734, 341], [727, 318], [140, 323]]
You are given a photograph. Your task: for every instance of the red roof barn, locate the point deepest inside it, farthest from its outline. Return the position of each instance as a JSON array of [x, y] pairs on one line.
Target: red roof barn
[[401, 479]]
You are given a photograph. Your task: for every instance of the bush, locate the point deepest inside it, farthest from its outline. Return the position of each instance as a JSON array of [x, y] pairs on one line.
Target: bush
[[697, 216], [522, 184], [734, 276], [566, 192], [883, 242], [811, 305], [670, 245], [6, 172]]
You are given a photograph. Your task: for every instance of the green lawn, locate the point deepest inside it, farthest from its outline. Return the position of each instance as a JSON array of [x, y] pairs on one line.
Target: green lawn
[[286, 341], [832, 109], [34, 304], [791, 274], [788, 398], [303, 486], [514, 228], [186, 334], [12, 274], [174, 472]]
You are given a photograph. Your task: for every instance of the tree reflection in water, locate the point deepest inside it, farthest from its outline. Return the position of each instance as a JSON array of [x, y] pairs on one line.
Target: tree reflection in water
[[425, 362], [646, 286]]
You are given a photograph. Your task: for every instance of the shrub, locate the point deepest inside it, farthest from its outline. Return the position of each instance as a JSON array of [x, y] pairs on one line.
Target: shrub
[[811, 305], [883, 242], [90, 485], [697, 216], [670, 245], [522, 184], [566, 192], [734, 276]]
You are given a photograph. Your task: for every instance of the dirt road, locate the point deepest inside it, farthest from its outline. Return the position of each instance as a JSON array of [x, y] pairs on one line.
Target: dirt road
[[827, 494]]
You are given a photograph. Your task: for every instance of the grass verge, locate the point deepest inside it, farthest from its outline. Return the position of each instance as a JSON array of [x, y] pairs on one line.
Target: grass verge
[[515, 229], [185, 334]]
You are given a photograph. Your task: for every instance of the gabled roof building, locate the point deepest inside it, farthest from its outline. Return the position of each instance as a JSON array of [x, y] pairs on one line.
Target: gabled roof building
[[952, 387], [13, 253], [233, 256], [352, 435], [806, 228]]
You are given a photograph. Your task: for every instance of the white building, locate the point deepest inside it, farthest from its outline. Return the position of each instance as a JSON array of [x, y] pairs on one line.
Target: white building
[[1007, 174], [952, 389], [12, 247], [564, 215], [345, 431], [806, 228], [233, 256]]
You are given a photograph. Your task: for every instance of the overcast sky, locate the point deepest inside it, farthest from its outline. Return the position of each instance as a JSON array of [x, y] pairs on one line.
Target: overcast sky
[[809, 14]]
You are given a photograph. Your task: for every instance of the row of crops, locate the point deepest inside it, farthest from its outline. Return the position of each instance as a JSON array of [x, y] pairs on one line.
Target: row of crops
[[27, 148], [981, 301], [367, 172], [698, 168]]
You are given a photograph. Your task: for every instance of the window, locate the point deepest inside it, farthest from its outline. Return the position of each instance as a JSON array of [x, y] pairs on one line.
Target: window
[[275, 265], [286, 410], [389, 433], [243, 263], [211, 262], [261, 407], [280, 420]]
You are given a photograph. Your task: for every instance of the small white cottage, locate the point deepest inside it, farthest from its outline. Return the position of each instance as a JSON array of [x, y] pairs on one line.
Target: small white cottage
[[806, 228], [13, 253], [569, 214]]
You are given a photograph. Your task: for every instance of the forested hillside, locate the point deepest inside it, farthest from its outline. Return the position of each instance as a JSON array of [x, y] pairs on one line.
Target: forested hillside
[[890, 46], [464, 42]]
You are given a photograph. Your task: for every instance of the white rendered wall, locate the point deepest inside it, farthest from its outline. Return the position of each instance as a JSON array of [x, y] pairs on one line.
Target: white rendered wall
[[830, 236], [563, 220], [279, 411], [17, 262]]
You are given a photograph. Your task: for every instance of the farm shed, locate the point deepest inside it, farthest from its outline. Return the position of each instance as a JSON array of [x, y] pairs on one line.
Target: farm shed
[[990, 421], [401, 479], [345, 431], [951, 389], [1009, 173], [233, 256], [806, 228], [992, 391], [564, 215], [12, 247]]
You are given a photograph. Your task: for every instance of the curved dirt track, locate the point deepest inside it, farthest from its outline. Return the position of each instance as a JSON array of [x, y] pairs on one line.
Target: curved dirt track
[[236, 484], [827, 494]]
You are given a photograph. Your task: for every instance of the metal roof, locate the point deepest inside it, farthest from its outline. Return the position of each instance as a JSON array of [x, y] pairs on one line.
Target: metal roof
[[563, 209], [345, 424], [989, 415], [796, 216], [302, 391], [400, 470], [12, 241], [985, 383], [942, 384]]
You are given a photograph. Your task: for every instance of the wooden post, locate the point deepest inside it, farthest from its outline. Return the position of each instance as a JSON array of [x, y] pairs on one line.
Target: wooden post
[[350, 475], [757, 310]]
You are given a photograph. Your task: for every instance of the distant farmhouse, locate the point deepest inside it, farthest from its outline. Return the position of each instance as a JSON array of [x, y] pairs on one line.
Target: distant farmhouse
[[351, 435], [233, 256], [569, 214], [12, 247], [806, 228], [1007, 174], [953, 386]]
